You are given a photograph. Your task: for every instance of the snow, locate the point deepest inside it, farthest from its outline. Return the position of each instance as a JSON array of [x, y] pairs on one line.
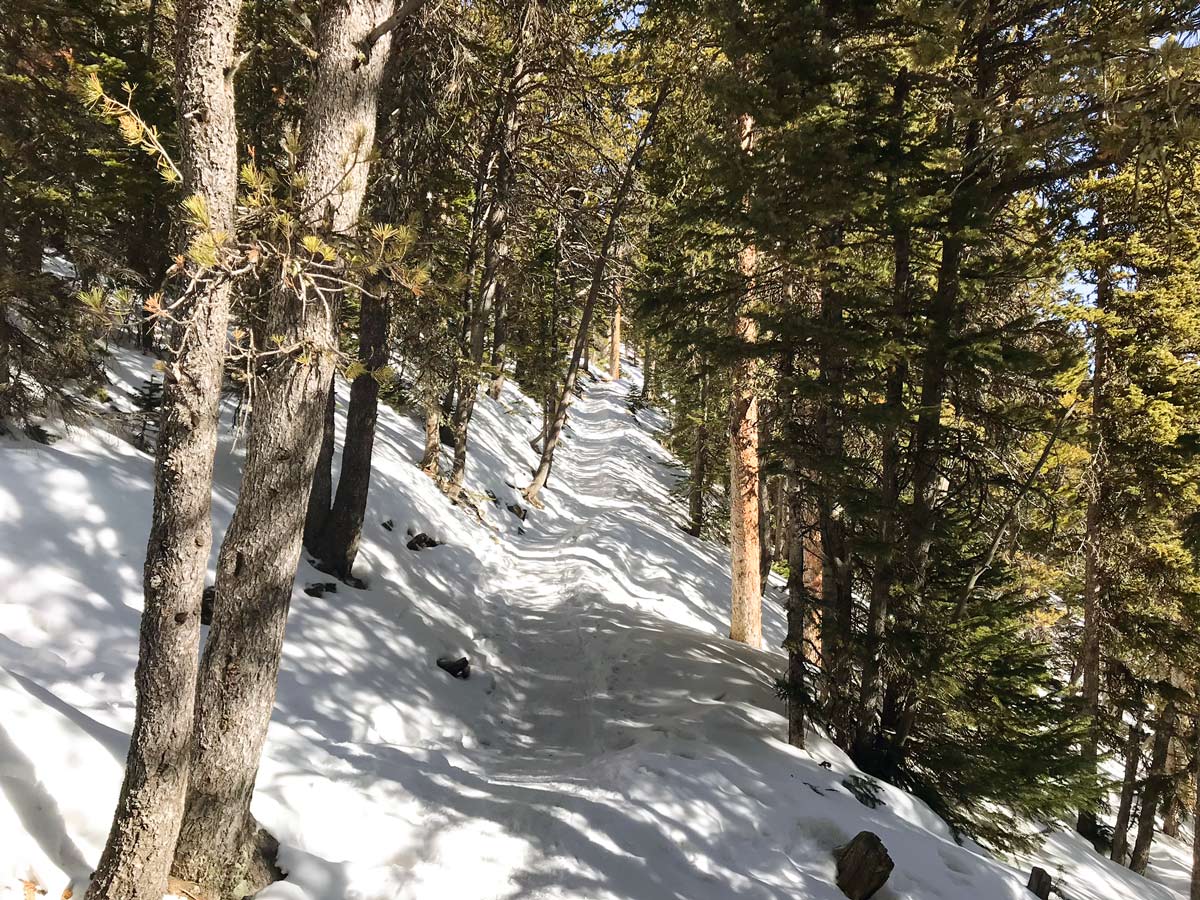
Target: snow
[[611, 741]]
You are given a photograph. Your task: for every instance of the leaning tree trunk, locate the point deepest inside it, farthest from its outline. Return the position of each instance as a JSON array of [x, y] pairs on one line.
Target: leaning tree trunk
[[1133, 761], [620, 200], [745, 606], [137, 856], [1156, 783], [220, 845], [342, 531]]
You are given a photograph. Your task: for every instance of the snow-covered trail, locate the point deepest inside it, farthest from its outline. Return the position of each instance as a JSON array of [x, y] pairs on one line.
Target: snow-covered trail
[[610, 743]]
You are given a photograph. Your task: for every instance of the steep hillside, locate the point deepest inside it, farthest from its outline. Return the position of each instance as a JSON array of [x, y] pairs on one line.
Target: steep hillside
[[609, 743]]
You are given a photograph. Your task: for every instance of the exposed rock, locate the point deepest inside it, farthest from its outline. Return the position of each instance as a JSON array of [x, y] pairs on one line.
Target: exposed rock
[[320, 588], [459, 668], [863, 866], [1040, 883], [518, 510], [389, 525], [422, 541]]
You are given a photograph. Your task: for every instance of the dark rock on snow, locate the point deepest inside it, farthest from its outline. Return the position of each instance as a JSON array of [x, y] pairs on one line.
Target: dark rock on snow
[[1040, 883], [422, 541], [863, 866], [459, 668], [518, 510], [320, 588], [389, 525]]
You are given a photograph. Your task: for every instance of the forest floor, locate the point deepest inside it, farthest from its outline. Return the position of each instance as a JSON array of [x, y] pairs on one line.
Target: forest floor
[[610, 742]]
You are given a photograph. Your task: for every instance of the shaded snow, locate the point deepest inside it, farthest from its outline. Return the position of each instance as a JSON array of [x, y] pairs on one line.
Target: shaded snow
[[610, 743]]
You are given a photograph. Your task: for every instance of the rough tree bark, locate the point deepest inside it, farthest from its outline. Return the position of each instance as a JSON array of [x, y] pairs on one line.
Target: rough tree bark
[[620, 200], [1194, 887], [137, 856], [337, 543], [1156, 783], [220, 845], [745, 609], [499, 338], [431, 458], [1133, 761]]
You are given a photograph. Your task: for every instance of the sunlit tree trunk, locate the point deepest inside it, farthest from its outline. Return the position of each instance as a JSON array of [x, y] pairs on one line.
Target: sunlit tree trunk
[[221, 847], [745, 610], [141, 843]]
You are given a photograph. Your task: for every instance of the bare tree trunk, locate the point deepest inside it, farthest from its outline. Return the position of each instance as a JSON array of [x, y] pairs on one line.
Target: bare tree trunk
[[137, 856], [340, 536], [1089, 651], [220, 845], [1156, 783], [619, 202], [649, 388], [1133, 760], [699, 473], [797, 619], [499, 336], [431, 460], [614, 339], [321, 498], [495, 246], [884, 577], [745, 610]]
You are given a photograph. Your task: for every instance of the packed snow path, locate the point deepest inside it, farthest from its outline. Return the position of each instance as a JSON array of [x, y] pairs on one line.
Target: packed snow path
[[611, 742]]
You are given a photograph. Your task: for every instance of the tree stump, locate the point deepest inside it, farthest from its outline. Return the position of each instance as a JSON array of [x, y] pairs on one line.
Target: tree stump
[[863, 866], [1040, 883]]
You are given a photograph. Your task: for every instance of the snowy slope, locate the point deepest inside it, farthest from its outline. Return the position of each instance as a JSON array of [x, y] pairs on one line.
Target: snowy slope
[[610, 743]]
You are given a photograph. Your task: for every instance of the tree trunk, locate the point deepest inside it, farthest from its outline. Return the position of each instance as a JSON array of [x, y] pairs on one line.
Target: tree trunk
[[614, 339], [340, 536], [648, 386], [884, 577], [745, 611], [1194, 888], [495, 249], [620, 199], [321, 498], [137, 855], [699, 473], [798, 604], [1089, 651], [1133, 760], [431, 460], [220, 845], [499, 336], [1156, 783]]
